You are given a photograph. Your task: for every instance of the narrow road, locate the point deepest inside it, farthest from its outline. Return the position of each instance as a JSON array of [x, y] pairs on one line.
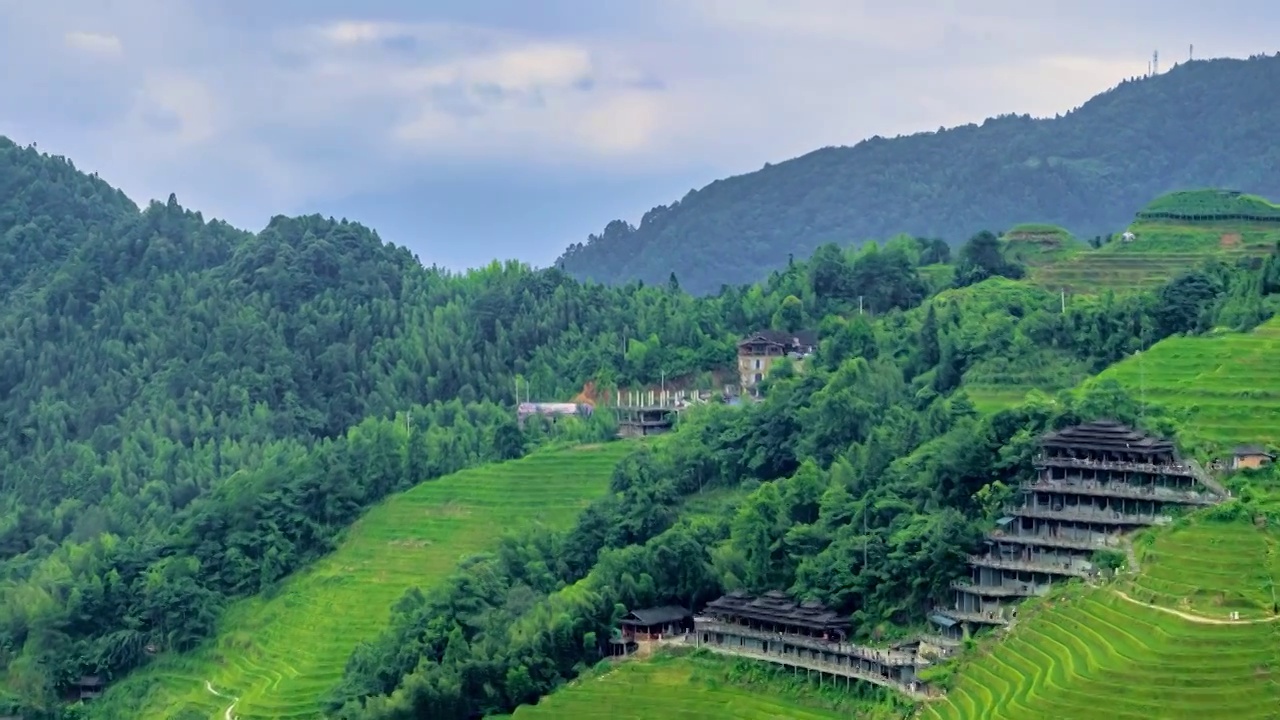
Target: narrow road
[[227, 715], [1197, 618]]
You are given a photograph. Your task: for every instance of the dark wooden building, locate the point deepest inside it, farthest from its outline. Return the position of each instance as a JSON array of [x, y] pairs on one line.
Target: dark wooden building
[[654, 623], [1094, 483], [804, 636]]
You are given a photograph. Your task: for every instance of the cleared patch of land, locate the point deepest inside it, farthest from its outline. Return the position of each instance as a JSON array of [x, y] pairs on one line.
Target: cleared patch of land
[[1090, 652], [280, 654], [1225, 388]]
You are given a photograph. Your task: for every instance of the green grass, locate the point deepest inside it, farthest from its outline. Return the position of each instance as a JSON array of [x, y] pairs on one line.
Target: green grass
[[1224, 388], [1035, 244], [1209, 569], [1209, 203], [1089, 653], [279, 654], [1159, 252], [670, 687]]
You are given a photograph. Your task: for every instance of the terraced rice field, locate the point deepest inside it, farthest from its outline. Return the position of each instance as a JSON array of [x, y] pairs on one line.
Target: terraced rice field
[[1210, 570], [1095, 654], [278, 655], [1225, 387], [1160, 252], [666, 688]]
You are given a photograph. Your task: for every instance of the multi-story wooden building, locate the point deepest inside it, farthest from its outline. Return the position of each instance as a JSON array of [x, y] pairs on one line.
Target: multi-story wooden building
[[1095, 482], [804, 636]]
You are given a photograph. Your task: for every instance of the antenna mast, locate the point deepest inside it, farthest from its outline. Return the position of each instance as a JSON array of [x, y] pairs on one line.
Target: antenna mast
[[1191, 52], [1155, 62]]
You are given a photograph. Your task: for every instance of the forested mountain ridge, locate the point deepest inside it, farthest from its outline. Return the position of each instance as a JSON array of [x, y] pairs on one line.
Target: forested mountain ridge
[[46, 206], [191, 411], [1203, 123]]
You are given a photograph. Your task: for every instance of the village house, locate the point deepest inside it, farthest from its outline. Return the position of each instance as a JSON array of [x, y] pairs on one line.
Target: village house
[[1250, 457], [759, 351]]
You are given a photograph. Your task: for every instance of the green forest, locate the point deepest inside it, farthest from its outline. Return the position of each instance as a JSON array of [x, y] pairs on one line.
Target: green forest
[[193, 412], [1205, 123]]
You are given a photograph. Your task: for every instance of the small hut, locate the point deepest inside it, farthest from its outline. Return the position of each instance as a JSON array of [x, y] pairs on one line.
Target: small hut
[[1250, 457], [653, 623]]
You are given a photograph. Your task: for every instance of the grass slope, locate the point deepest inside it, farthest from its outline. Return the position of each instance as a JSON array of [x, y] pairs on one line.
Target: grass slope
[[1225, 388], [668, 687], [279, 654], [1092, 653], [1159, 251]]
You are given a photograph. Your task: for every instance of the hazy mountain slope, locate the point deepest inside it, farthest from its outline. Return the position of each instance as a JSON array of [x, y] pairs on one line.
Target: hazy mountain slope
[[1204, 123]]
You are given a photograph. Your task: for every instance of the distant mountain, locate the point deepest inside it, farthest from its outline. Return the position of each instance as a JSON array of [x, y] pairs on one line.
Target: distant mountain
[[1203, 123]]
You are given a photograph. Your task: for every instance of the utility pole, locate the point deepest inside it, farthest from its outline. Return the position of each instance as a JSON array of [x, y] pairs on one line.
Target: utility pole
[[865, 502], [1142, 389], [1064, 301]]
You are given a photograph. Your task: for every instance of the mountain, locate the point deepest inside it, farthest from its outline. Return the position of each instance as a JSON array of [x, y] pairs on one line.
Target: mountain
[[190, 411], [1203, 123]]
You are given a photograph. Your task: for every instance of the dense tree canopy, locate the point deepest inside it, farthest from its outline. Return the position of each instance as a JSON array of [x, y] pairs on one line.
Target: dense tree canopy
[[192, 412]]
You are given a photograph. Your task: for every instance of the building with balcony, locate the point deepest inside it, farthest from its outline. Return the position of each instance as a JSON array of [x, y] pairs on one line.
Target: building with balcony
[[1094, 483], [758, 352], [805, 636]]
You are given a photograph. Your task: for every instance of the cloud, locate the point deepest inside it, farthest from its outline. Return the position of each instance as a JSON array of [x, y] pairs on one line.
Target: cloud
[[95, 43], [248, 109]]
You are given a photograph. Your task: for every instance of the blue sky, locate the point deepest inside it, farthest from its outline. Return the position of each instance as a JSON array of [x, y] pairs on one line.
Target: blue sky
[[474, 129]]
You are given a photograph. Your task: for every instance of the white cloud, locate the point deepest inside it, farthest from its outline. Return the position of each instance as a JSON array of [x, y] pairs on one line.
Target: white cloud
[[95, 43]]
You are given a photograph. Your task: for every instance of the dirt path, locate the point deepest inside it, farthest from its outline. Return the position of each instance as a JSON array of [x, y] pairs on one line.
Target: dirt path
[[1197, 618], [227, 715]]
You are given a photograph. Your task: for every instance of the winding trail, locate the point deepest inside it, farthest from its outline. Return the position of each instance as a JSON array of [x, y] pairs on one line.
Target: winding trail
[[1193, 618], [227, 715]]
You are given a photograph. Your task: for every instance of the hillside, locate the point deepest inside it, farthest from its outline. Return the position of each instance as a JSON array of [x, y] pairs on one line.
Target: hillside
[[1201, 124], [198, 415], [1169, 236], [193, 411], [281, 652], [1131, 651], [1224, 388]]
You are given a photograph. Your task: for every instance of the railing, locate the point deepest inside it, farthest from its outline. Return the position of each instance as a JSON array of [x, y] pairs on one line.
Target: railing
[[1120, 490], [1107, 517], [915, 690], [941, 641], [1187, 468], [1020, 590], [1206, 479], [879, 655], [988, 618], [1053, 568], [1184, 469], [1055, 541]]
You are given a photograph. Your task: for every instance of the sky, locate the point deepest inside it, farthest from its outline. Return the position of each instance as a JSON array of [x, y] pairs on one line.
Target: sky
[[470, 130]]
